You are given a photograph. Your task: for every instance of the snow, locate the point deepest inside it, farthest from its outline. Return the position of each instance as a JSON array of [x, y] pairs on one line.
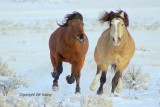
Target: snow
[[25, 28]]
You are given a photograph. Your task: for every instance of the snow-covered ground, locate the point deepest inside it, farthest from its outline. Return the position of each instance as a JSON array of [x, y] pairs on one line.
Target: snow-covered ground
[[25, 28]]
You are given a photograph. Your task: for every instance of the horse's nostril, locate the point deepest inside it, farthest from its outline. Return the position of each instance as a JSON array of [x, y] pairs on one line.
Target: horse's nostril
[[119, 39], [113, 39], [81, 37]]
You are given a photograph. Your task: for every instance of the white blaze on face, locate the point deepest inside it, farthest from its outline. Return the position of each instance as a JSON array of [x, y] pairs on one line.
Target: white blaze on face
[[114, 31]]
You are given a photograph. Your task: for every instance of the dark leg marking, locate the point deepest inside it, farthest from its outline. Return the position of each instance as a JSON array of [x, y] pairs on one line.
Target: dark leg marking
[[56, 75], [115, 81], [77, 84], [70, 79], [102, 81]]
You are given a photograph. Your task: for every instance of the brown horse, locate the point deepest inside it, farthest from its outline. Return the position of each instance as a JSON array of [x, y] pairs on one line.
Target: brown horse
[[68, 43], [115, 47]]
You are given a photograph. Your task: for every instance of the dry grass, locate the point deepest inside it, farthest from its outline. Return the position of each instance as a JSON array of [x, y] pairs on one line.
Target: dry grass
[[135, 79], [18, 101], [85, 101], [4, 70], [9, 80]]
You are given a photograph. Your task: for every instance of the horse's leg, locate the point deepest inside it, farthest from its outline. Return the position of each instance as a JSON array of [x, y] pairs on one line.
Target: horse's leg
[[76, 72], [117, 78], [77, 77], [119, 85], [115, 81], [54, 64], [113, 67], [102, 79], [70, 78], [77, 68], [55, 81], [96, 78]]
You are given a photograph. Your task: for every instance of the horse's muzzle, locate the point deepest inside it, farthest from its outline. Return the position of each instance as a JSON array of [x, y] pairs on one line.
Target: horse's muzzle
[[80, 38], [116, 42]]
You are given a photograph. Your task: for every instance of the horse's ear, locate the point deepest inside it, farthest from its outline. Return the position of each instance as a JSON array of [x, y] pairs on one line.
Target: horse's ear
[[107, 17], [122, 14], [126, 19]]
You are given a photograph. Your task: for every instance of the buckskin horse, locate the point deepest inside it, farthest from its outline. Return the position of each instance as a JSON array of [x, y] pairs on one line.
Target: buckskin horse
[[68, 43], [115, 47]]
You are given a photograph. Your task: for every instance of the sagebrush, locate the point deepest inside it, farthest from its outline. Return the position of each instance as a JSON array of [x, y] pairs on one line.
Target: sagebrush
[[9, 80], [14, 101], [135, 78]]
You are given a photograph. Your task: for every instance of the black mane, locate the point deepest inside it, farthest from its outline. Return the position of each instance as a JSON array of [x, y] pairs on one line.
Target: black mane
[[68, 17]]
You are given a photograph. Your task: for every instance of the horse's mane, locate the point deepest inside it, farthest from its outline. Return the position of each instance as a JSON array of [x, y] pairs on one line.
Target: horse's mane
[[109, 16], [68, 17]]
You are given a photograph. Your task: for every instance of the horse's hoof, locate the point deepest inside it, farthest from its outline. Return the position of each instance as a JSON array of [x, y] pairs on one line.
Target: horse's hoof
[[92, 87], [55, 86], [114, 95], [54, 74], [77, 90], [69, 79], [111, 95], [100, 92]]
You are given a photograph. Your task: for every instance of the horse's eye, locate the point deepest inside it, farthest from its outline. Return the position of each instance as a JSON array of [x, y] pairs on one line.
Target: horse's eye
[[122, 24]]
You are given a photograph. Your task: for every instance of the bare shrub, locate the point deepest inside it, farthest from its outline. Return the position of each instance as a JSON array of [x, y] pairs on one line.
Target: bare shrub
[[85, 101], [45, 101], [12, 82], [135, 79], [96, 101], [2, 100], [49, 101], [9, 80], [19, 101], [4, 70]]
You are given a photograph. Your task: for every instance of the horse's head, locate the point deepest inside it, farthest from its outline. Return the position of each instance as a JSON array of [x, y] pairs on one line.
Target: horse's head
[[76, 26], [74, 22], [118, 23]]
